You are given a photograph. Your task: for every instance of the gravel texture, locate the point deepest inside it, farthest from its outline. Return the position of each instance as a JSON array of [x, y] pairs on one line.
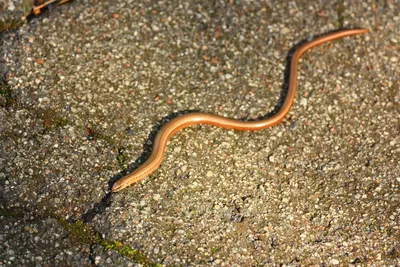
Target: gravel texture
[[13, 13], [85, 86], [28, 241]]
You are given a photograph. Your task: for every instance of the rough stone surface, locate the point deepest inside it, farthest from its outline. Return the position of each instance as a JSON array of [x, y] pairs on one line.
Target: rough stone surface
[[85, 86], [30, 241], [13, 13]]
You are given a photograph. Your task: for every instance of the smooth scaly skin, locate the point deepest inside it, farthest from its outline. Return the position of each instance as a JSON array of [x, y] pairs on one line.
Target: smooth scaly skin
[[180, 122]]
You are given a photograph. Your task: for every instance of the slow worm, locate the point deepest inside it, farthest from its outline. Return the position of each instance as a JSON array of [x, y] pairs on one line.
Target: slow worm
[[180, 122]]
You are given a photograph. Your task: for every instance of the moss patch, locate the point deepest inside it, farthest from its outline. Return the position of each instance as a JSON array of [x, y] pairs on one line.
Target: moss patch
[[6, 97], [340, 8], [82, 233], [121, 158], [10, 213]]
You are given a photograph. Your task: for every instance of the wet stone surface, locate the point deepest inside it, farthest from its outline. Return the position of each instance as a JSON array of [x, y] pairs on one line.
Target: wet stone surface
[[85, 86]]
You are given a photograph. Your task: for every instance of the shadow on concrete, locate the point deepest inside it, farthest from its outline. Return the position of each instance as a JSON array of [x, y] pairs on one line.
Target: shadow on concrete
[[106, 200]]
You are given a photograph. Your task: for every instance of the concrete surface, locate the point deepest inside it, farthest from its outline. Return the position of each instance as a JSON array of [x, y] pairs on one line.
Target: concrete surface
[[14, 13], [85, 86]]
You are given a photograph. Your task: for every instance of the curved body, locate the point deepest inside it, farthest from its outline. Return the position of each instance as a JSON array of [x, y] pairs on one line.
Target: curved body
[[180, 122]]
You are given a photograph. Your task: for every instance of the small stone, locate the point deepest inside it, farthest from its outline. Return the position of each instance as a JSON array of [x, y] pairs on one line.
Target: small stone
[[97, 260], [156, 197], [271, 158], [394, 59], [228, 76], [209, 174], [334, 262], [285, 30], [11, 6], [195, 45], [303, 102]]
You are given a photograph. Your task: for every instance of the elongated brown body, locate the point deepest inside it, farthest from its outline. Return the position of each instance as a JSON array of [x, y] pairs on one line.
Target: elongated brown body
[[180, 122]]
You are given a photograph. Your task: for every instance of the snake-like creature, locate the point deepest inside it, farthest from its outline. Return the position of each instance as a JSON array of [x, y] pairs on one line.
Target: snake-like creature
[[183, 121]]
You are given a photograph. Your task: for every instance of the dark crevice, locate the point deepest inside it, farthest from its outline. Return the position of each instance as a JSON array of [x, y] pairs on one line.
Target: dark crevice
[[106, 201], [91, 254], [98, 208], [82, 233]]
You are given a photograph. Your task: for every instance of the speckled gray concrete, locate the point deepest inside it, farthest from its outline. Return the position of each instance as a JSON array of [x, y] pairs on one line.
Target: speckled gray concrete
[[84, 85], [27, 240]]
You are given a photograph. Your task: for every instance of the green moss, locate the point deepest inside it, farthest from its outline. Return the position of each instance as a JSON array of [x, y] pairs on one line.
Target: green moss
[[121, 158], [10, 213], [106, 138], [6, 93], [79, 232], [61, 122], [92, 133], [215, 250], [170, 228], [340, 8], [126, 251], [82, 233]]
